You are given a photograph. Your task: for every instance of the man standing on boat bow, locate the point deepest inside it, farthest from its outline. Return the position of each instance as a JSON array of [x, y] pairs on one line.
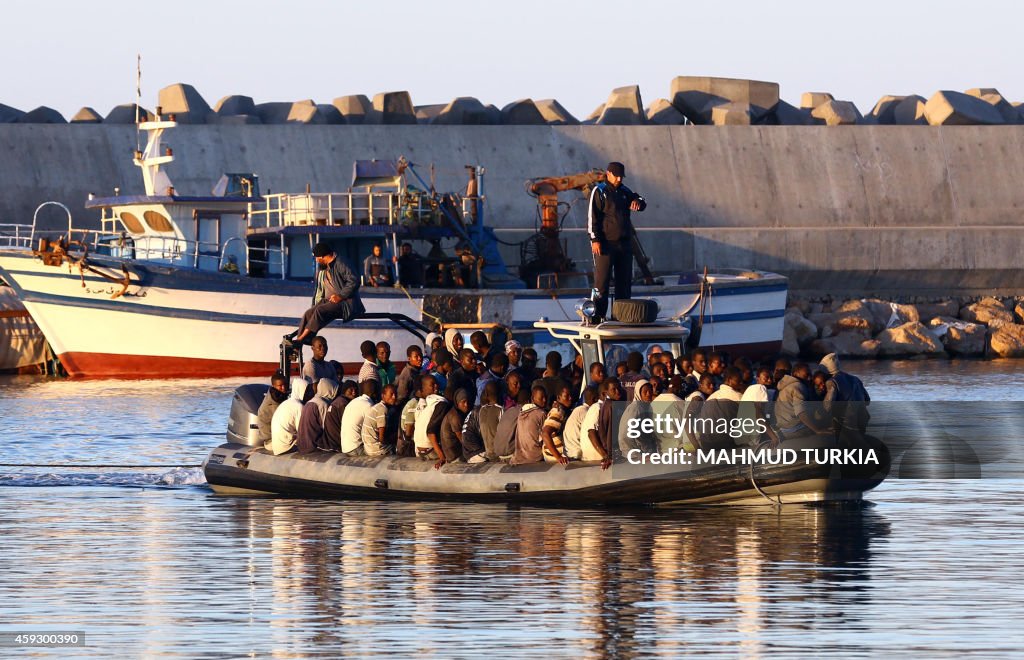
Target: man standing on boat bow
[[336, 295], [611, 236]]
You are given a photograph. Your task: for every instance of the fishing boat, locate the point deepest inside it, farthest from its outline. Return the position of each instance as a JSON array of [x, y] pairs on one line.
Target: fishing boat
[[243, 466], [176, 285]]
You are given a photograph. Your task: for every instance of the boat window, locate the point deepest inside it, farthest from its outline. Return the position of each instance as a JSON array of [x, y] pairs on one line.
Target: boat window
[[131, 223], [157, 222]]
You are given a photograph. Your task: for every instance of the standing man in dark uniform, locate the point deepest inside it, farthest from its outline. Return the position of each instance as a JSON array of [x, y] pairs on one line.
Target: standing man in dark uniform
[[611, 235], [336, 295]]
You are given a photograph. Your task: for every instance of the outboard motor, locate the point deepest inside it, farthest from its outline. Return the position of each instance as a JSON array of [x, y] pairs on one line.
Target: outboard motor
[[243, 424]]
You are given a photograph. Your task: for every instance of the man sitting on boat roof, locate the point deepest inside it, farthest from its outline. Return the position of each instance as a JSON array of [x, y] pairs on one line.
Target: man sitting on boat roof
[[336, 295]]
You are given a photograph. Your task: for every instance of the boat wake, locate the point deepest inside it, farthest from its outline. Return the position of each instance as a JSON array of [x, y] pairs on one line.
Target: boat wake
[[147, 478]]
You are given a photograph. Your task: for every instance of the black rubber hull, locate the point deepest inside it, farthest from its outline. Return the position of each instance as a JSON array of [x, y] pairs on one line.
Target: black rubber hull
[[238, 468]]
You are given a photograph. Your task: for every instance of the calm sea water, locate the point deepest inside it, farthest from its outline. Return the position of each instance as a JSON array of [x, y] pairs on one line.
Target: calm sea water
[[149, 562]]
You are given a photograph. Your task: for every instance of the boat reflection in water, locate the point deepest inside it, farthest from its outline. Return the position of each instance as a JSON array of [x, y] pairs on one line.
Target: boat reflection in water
[[369, 577]]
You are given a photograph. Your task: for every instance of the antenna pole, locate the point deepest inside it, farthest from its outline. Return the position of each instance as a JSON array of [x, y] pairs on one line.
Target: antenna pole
[[138, 98]]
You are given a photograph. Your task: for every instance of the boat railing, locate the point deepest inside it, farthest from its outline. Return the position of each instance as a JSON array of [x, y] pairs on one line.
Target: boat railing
[[16, 236], [351, 208]]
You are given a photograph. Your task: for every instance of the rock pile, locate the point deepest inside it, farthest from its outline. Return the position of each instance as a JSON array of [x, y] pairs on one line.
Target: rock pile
[[871, 328], [691, 100]]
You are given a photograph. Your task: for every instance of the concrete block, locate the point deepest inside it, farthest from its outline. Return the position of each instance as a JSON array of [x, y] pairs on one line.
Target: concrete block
[[555, 114], [995, 99], [235, 105], [425, 114], [42, 115], [785, 114], [464, 110], [186, 104], [883, 110], [329, 114], [523, 111], [9, 115], [493, 114], [354, 108], [593, 116], [273, 112], [624, 107], [392, 108], [731, 114], [910, 111], [948, 108], [664, 113], [837, 113], [811, 100], [87, 116], [305, 112], [125, 114], [692, 95]]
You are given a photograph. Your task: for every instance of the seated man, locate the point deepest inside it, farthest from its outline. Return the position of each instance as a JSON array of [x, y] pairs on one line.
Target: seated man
[[528, 427], [368, 370], [336, 295], [597, 435], [571, 432], [332, 420], [275, 396], [721, 406], [496, 370], [405, 446], [318, 367], [375, 425], [451, 427], [463, 377], [385, 367], [314, 413], [793, 412], [553, 430], [427, 430], [481, 424], [376, 270], [551, 380], [407, 379], [284, 427], [354, 416]]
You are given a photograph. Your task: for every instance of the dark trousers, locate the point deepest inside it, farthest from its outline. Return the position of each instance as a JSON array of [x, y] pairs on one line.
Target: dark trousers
[[318, 316], [617, 256]]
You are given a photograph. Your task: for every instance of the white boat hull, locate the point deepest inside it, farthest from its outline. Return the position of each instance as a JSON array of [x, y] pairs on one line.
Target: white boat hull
[[175, 322]]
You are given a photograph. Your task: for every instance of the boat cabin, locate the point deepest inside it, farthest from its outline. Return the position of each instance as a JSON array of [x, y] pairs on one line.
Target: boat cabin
[[610, 342]]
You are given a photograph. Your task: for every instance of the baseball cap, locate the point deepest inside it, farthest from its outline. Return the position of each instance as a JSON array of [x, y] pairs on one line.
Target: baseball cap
[[617, 168], [322, 250]]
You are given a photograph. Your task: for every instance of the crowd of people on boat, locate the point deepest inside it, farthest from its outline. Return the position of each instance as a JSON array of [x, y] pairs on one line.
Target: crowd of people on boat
[[479, 402]]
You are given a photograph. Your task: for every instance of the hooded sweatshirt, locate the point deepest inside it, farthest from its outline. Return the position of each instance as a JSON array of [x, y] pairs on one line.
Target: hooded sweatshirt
[[284, 427], [311, 422], [637, 409], [790, 403], [271, 400], [528, 441]]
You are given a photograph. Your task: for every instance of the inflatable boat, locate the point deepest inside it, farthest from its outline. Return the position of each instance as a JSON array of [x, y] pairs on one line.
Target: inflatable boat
[[241, 465]]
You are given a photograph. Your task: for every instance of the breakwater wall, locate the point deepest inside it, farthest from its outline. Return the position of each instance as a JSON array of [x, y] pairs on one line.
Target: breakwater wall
[[861, 210]]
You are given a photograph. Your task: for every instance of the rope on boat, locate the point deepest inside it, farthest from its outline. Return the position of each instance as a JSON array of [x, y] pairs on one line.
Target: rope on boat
[[761, 492], [413, 301], [99, 465]]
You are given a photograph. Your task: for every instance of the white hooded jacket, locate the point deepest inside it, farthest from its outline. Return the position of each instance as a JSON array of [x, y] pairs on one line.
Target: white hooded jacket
[[284, 427]]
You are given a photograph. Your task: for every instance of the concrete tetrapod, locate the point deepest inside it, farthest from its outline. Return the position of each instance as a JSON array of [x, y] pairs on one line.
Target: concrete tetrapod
[[392, 108], [693, 95], [354, 108], [948, 108], [624, 107], [186, 104], [87, 115]]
